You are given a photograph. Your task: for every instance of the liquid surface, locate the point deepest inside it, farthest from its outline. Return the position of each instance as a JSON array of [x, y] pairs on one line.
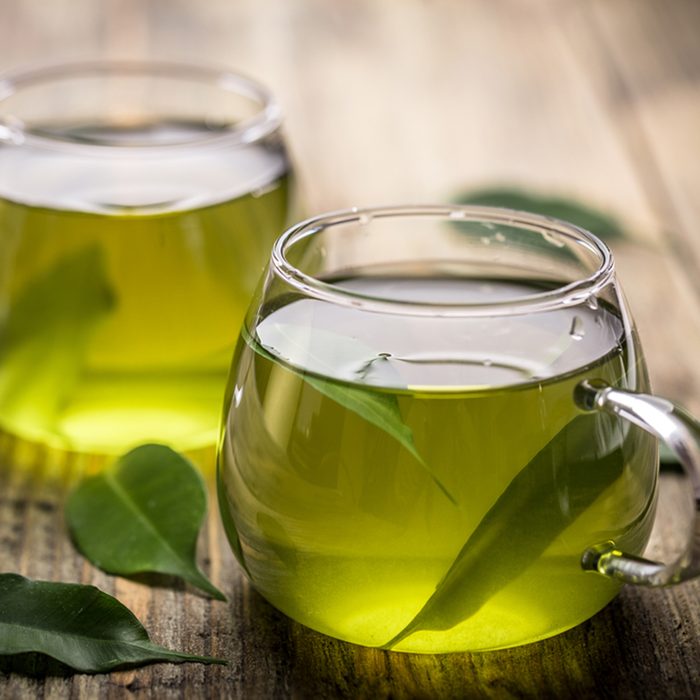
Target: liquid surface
[[123, 283], [428, 484], [399, 352]]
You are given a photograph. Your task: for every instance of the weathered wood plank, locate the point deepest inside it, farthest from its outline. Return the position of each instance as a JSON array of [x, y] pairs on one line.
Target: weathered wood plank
[[642, 63], [660, 93]]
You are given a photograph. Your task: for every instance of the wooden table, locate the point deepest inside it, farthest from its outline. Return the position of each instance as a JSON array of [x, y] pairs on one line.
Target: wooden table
[[405, 102]]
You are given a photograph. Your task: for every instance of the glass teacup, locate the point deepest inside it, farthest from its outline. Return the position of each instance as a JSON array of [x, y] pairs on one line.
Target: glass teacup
[[437, 432], [138, 204]]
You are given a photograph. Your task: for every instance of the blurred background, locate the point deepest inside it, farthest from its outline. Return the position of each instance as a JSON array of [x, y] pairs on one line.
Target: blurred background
[[418, 101]]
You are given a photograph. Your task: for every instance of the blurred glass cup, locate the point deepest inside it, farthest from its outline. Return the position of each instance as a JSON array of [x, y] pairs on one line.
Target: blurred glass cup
[[138, 203], [438, 427]]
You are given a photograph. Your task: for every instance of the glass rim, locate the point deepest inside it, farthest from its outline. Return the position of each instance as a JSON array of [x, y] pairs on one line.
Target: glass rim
[[264, 122], [572, 293]]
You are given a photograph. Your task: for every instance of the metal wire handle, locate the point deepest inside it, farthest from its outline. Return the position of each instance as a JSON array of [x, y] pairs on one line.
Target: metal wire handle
[[681, 432]]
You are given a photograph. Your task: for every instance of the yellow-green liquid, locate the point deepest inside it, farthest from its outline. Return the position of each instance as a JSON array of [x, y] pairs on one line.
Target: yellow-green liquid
[[117, 327], [340, 526]]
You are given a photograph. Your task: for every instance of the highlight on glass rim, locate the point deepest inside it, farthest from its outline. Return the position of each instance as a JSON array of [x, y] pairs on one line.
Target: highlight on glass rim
[[438, 423], [138, 202]]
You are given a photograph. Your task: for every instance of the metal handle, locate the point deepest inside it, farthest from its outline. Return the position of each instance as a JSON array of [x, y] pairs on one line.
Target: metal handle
[[681, 432]]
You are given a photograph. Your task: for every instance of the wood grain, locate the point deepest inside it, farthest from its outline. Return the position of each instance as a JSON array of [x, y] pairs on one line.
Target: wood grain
[[271, 656], [414, 101]]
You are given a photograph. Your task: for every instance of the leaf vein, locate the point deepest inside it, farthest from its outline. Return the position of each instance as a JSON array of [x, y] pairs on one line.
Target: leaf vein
[[142, 517]]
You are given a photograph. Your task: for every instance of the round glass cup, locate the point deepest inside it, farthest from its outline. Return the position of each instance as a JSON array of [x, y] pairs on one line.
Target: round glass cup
[[138, 204], [437, 432]]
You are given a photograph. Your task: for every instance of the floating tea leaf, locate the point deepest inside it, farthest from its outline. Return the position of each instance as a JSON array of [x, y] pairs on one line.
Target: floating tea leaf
[[380, 409], [522, 523]]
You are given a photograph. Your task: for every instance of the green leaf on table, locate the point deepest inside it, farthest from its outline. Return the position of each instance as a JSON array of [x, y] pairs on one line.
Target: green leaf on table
[[521, 524], [378, 408], [44, 337], [77, 625], [142, 514], [597, 222]]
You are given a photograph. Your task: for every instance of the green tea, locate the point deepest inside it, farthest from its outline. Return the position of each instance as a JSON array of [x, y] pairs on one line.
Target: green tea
[[428, 484], [122, 289]]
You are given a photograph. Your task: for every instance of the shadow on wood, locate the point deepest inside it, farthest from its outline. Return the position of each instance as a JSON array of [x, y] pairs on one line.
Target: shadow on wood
[[569, 665]]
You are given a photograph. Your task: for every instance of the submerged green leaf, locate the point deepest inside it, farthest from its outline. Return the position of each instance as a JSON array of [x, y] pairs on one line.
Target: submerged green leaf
[[143, 514], [597, 222], [522, 523], [44, 337], [78, 625], [380, 409]]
